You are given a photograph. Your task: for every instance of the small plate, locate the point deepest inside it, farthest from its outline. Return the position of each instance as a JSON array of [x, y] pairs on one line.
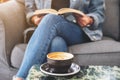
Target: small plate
[[73, 70]]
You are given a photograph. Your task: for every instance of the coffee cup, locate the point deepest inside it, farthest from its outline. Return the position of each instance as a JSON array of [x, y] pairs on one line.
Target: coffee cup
[[59, 62]]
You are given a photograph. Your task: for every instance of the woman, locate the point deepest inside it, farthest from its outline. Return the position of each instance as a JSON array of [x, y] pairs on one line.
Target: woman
[[56, 32]]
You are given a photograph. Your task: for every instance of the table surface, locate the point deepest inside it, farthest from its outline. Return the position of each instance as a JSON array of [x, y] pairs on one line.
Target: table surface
[[86, 73]]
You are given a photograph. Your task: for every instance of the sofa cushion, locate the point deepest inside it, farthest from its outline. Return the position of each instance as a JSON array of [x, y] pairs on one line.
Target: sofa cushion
[[17, 55], [111, 27], [96, 47], [100, 52], [106, 51], [14, 25], [3, 59]]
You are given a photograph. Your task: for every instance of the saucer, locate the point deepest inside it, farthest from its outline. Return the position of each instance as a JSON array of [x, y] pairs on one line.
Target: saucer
[[44, 68]]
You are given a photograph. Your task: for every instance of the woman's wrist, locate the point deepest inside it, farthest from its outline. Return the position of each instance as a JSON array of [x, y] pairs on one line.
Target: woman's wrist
[[33, 19], [91, 21]]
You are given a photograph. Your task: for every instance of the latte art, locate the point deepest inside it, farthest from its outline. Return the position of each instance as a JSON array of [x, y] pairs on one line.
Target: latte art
[[60, 56]]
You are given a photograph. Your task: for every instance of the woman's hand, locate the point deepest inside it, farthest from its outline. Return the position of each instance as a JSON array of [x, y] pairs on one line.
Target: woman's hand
[[36, 20], [84, 21]]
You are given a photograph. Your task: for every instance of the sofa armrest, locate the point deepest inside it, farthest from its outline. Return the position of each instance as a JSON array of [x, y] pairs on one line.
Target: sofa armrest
[[14, 21]]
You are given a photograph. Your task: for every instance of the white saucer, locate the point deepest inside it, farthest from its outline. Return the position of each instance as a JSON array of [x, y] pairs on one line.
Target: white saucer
[[44, 68]]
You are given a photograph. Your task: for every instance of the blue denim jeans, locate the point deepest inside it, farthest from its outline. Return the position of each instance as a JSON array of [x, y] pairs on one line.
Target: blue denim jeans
[[53, 33]]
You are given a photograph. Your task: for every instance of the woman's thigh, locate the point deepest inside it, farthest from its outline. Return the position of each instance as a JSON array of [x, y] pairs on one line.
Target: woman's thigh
[[71, 33], [56, 25]]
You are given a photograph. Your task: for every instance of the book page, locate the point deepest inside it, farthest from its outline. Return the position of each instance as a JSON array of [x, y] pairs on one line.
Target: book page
[[45, 11], [61, 11], [69, 10]]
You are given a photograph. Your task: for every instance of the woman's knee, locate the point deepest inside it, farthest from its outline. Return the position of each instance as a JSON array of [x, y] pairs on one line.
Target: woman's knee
[[58, 44], [58, 40]]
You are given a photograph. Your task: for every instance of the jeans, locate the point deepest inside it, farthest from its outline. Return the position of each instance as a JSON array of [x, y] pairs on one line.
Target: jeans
[[53, 33]]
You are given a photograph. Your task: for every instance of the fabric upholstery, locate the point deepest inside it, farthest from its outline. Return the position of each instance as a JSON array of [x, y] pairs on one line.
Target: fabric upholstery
[[4, 68], [18, 53], [105, 52], [102, 46], [14, 24], [111, 27], [109, 59], [2, 45]]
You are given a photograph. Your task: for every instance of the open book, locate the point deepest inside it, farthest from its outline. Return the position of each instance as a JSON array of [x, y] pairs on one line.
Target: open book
[[59, 12]]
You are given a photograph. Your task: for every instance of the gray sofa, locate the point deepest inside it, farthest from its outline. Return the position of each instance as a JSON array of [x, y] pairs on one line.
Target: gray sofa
[[13, 24]]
